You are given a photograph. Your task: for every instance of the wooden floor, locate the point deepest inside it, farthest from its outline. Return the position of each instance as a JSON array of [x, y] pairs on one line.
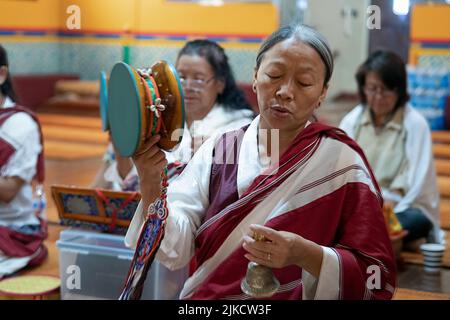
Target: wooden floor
[[408, 294], [72, 137], [74, 172], [74, 147]]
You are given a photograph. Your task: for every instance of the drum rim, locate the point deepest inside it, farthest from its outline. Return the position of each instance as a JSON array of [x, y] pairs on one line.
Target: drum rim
[[183, 110], [142, 110], [104, 101], [174, 75]]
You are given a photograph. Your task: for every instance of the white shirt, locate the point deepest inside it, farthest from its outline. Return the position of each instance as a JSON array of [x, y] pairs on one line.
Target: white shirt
[[422, 190], [216, 122], [22, 133]]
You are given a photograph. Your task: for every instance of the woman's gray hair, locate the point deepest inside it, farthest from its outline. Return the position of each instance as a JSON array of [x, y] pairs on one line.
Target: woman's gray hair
[[304, 34]]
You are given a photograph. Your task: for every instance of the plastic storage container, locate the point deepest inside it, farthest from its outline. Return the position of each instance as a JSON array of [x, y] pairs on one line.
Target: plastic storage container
[[93, 265]]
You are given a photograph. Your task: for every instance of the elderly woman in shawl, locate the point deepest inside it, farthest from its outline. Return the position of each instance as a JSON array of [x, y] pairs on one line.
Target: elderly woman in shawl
[[306, 188]]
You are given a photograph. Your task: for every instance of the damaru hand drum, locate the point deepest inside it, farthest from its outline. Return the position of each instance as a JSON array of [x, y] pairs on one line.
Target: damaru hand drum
[[143, 103]]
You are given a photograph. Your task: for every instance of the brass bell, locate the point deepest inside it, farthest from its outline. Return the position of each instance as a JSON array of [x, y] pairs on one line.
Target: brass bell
[[259, 281]]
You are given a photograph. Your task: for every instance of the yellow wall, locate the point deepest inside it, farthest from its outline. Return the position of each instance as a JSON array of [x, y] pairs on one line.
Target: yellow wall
[[102, 15], [38, 14], [232, 18], [143, 16], [431, 22]]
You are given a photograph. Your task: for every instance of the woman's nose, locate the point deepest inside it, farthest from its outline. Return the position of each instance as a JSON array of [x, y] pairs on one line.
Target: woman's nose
[[376, 97], [190, 89], [286, 91]]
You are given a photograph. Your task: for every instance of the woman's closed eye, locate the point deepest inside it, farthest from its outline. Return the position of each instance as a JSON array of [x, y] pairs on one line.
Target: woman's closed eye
[[273, 75], [305, 83]]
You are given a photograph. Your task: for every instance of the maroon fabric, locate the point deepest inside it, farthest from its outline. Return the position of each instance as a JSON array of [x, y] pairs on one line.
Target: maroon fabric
[[223, 181], [357, 249], [16, 244], [6, 151], [354, 270], [39, 258], [174, 169], [8, 112], [370, 245], [208, 241]]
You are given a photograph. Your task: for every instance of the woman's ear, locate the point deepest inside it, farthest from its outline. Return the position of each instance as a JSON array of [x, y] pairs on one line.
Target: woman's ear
[[220, 86], [254, 82], [322, 96]]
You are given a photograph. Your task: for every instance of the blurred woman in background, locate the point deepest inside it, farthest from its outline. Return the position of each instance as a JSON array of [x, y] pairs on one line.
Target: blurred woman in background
[[397, 142], [22, 227]]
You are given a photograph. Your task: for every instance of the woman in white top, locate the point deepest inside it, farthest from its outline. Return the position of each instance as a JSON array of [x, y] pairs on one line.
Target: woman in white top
[[397, 142], [214, 104], [22, 231], [317, 204]]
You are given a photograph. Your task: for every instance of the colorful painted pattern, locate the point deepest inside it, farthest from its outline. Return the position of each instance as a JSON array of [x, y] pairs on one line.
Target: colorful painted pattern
[[124, 214], [78, 204]]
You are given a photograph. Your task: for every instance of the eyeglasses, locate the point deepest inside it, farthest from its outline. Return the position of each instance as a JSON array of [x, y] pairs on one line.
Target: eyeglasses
[[373, 90], [196, 84]]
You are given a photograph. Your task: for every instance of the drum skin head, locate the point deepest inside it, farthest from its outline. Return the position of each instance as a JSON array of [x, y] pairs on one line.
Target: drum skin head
[[130, 120], [104, 101], [124, 109]]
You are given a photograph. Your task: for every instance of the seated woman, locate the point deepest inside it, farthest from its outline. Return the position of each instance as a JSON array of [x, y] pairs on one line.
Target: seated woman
[[397, 142], [214, 104], [318, 206], [22, 229]]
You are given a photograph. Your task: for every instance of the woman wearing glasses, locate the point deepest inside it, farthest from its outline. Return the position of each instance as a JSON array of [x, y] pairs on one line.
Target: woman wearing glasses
[[214, 104], [397, 142]]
